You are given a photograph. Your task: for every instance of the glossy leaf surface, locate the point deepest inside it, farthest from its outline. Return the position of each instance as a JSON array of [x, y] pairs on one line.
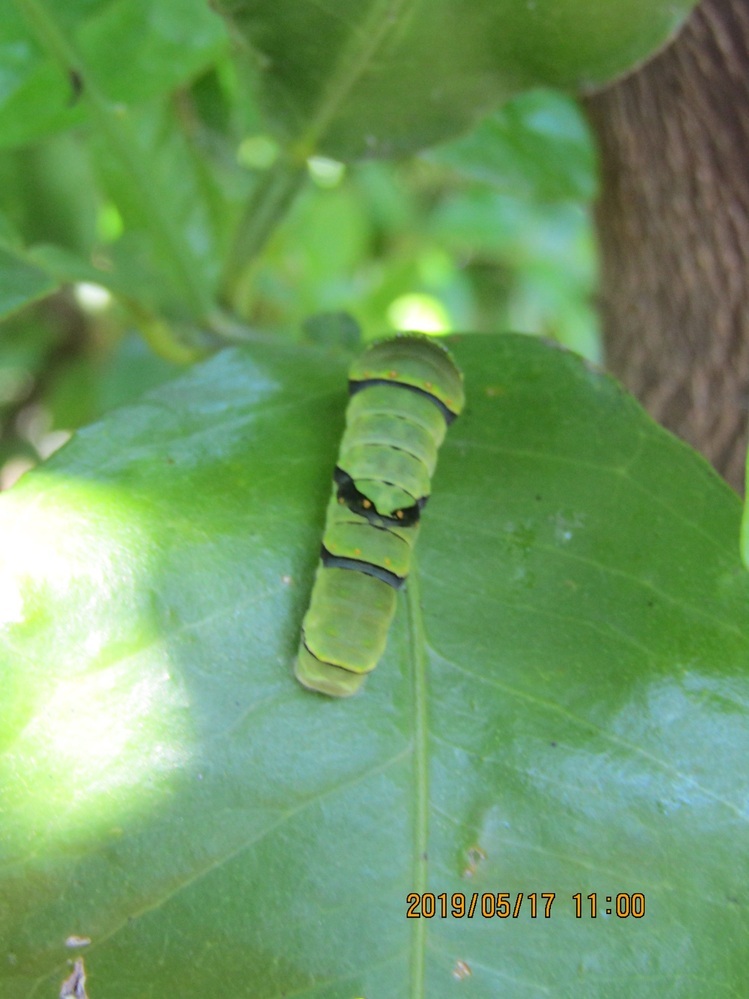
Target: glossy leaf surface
[[562, 706]]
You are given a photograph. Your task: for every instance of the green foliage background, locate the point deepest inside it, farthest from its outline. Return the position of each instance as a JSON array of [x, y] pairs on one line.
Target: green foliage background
[[137, 183], [184, 273]]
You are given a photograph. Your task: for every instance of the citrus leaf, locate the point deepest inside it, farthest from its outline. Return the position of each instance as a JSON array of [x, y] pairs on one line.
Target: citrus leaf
[[388, 77], [562, 707]]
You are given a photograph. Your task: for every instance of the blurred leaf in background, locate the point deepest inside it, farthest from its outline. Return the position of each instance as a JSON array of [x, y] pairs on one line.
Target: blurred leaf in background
[[123, 176], [484, 241]]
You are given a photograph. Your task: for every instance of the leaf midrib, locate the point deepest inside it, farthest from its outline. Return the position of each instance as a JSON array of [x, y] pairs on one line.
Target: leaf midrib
[[417, 645], [354, 59]]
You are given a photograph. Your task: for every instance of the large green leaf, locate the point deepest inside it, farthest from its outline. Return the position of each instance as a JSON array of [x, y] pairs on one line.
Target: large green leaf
[[384, 77], [562, 706]]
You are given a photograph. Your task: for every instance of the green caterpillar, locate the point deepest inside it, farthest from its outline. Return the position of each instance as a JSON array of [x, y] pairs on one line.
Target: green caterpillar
[[404, 393]]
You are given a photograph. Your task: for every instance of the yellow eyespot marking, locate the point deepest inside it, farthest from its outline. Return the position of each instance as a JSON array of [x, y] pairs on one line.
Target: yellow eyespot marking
[[392, 373], [367, 504], [387, 561], [357, 551], [399, 514], [428, 385], [341, 500]]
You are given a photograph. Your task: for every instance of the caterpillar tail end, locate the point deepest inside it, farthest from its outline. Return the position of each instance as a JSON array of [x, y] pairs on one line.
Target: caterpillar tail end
[[324, 678]]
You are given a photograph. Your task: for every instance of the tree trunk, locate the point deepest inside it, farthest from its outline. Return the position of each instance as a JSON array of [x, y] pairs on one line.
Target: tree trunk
[[673, 225]]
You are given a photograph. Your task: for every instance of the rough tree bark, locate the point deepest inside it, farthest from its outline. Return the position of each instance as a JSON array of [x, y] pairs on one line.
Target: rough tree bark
[[673, 224]]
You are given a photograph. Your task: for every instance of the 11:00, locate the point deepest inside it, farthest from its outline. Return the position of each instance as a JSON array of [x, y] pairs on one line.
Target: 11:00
[[624, 905]]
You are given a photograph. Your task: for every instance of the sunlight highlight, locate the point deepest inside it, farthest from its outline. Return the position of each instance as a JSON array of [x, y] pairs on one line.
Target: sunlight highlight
[[258, 152], [325, 172], [95, 716], [92, 297], [420, 313]]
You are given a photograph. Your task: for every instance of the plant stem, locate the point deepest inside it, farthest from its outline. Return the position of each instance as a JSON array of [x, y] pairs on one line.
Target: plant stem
[[273, 197], [269, 204], [159, 335], [112, 121]]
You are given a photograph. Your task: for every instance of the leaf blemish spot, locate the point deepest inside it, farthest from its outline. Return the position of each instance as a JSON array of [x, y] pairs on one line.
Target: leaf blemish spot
[[75, 941], [461, 971], [75, 984], [475, 856]]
